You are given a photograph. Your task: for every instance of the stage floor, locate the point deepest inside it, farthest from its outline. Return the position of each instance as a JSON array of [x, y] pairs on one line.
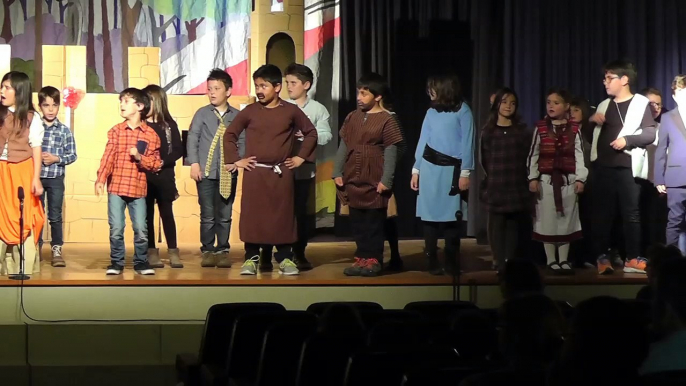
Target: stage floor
[[86, 264]]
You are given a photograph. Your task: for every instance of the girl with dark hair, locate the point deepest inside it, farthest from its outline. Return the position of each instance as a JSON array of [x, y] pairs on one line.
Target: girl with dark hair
[[504, 147], [21, 138], [162, 184], [444, 160], [557, 174]]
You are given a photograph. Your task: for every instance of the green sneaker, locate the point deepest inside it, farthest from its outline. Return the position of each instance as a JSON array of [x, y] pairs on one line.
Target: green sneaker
[[250, 266], [288, 268]]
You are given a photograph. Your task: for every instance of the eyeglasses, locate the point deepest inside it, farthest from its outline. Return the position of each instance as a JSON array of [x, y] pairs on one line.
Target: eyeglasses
[[656, 105], [609, 79]]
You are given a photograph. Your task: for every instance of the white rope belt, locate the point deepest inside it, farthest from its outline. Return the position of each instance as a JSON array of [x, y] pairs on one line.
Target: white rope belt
[[275, 168]]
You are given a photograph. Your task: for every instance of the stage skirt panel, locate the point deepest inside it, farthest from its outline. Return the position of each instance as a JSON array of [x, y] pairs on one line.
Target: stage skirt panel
[[14, 175], [551, 226]]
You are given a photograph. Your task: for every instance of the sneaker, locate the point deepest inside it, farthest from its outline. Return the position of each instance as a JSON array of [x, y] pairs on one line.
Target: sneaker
[[372, 268], [209, 259], [114, 269], [287, 267], [223, 259], [250, 266], [604, 266], [356, 268], [617, 261], [143, 269], [636, 265], [57, 259]]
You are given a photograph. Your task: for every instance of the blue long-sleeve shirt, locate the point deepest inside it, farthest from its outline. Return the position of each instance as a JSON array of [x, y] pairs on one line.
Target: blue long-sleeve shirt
[[450, 133], [58, 140]]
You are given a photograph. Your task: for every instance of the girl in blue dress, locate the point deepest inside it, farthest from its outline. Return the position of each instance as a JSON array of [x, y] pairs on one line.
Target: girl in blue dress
[[444, 160]]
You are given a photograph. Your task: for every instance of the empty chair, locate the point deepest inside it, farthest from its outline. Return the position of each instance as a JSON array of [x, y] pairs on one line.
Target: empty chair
[[388, 368], [215, 339], [566, 308], [370, 318], [440, 309], [319, 308], [474, 336], [392, 334], [324, 359], [281, 351], [439, 376]]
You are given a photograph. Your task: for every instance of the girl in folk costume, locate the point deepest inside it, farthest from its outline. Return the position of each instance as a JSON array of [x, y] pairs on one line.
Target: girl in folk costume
[[557, 175], [443, 161], [21, 138], [162, 184], [504, 146]]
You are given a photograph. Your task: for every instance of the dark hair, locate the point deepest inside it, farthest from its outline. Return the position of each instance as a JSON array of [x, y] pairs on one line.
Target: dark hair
[[520, 277], [376, 85], [621, 67], [651, 91], [49, 92], [158, 101], [270, 73], [585, 107], [22, 99], [448, 92], [671, 289], [222, 76], [139, 97], [564, 94], [495, 107], [302, 72]]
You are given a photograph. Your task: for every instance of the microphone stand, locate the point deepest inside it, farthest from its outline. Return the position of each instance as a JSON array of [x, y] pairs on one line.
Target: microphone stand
[[21, 275], [457, 265]]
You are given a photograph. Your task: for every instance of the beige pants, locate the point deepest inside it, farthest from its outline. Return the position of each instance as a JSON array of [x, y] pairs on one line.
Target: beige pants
[[9, 258]]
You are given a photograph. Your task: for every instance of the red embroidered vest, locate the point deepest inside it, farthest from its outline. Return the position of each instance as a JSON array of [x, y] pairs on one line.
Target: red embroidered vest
[[557, 149]]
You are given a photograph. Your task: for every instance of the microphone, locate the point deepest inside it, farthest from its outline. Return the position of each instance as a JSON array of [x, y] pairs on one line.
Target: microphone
[[20, 193]]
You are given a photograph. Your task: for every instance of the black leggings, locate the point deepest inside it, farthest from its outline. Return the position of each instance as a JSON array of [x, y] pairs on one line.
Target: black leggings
[[451, 233], [391, 233], [168, 223]]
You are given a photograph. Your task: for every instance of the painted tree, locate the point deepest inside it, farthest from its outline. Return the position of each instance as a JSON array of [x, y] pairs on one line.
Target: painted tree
[[38, 47], [158, 32], [49, 4], [6, 32], [107, 49], [129, 18], [24, 9], [63, 5], [90, 43], [192, 28]]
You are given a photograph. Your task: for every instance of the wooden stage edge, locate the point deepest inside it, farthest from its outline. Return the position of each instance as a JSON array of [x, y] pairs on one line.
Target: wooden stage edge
[[86, 264]]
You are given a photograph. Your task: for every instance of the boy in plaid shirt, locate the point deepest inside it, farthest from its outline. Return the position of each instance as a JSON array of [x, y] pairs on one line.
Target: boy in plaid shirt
[[132, 148], [59, 150]]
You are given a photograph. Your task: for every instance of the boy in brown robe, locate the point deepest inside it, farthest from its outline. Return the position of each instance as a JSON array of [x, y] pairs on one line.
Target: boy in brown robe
[[363, 171], [267, 209]]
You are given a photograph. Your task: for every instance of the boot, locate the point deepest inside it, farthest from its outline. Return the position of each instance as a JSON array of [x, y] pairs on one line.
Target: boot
[[266, 261], [452, 266], [301, 261], [224, 260], [434, 266], [154, 258], [174, 258], [209, 260]]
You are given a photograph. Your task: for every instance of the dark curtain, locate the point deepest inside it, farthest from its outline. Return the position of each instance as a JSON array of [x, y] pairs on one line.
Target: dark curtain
[[405, 41], [530, 45]]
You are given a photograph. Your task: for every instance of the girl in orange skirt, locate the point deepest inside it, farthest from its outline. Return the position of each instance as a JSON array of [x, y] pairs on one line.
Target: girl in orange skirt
[[21, 138]]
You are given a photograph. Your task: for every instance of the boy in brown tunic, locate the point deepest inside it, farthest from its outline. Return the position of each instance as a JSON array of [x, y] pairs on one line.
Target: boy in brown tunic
[[267, 211], [364, 169]]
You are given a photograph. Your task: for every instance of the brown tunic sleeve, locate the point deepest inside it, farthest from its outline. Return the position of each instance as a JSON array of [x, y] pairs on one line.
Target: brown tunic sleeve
[[232, 133], [309, 144], [391, 133]]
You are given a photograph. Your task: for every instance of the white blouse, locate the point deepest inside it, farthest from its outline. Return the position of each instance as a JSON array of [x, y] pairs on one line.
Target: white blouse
[[36, 132]]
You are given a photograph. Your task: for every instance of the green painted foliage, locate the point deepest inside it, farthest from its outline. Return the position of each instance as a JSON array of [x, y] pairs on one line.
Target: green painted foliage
[[195, 9]]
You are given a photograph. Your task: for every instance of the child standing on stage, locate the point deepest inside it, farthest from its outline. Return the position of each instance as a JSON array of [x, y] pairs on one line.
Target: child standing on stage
[[557, 174], [132, 149], [504, 147], [267, 206], [299, 79], [59, 150], [624, 127], [364, 169], [162, 184], [21, 138], [216, 185], [444, 160]]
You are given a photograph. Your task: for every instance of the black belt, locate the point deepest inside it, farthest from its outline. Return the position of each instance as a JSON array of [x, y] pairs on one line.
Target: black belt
[[439, 159]]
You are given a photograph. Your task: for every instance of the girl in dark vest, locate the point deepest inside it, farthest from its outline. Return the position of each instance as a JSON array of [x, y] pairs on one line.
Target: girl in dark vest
[[21, 140], [162, 185], [504, 145], [557, 174]]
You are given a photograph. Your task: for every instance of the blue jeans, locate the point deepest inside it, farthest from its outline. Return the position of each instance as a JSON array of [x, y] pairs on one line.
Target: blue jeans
[[215, 215], [116, 206], [54, 190]]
